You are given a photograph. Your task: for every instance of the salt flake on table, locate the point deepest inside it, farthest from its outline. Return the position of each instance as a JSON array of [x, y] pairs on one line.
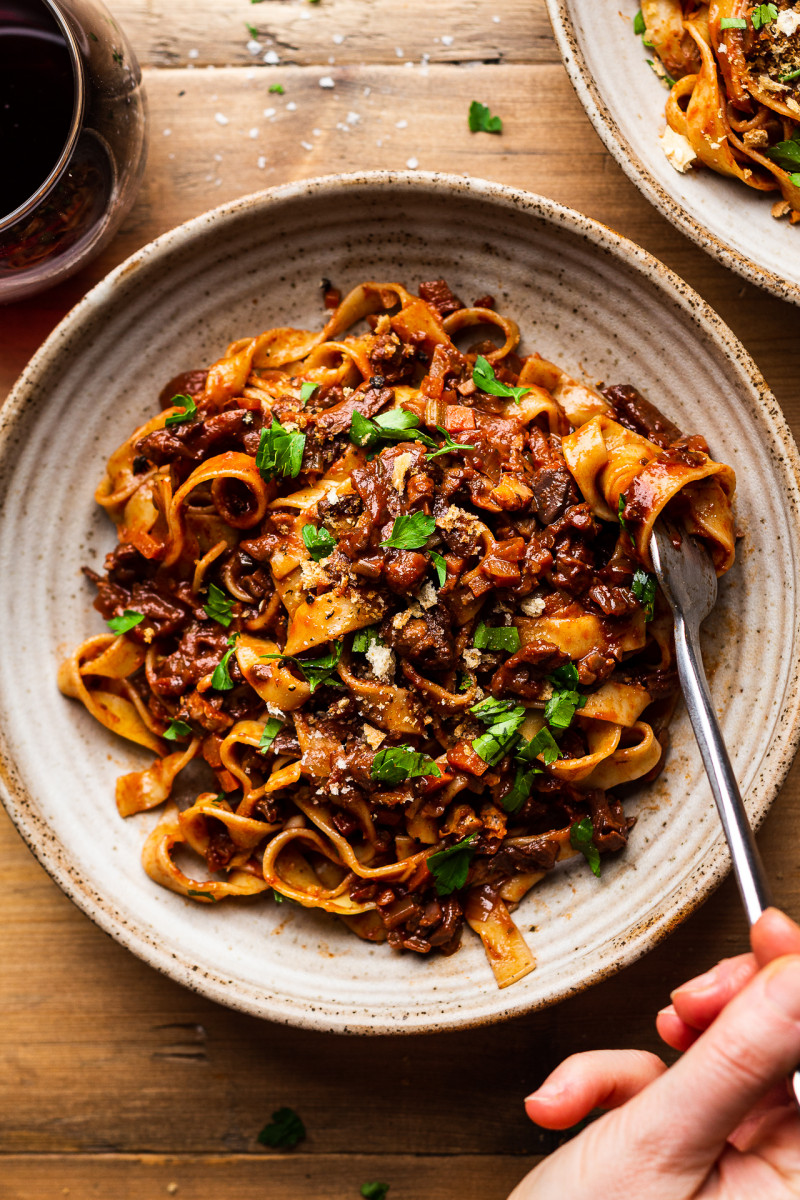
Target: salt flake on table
[[253, 46], [401, 124], [253, 132], [194, 54], [220, 118], [447, 39], [269, 112], [337, 39], [262, 162], [291, 106], [353, 118], [398, 51], [307, 145], [412, 163], [167, 132], [272, 58], [326, 82]]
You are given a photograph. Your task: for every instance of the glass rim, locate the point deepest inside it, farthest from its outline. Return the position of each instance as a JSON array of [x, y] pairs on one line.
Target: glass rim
[[29, 205]]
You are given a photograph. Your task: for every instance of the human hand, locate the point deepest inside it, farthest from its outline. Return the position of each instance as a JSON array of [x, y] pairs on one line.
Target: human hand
[[719, 1124]]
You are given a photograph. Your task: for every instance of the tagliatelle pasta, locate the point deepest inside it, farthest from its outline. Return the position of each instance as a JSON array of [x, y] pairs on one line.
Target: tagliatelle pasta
[[733, 69], [393, 591]]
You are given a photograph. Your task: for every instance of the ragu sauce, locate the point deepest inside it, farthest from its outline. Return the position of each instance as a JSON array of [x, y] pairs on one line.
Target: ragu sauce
[[36, 100]]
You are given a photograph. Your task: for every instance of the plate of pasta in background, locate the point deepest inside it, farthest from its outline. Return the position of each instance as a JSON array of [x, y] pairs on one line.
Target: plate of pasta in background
[[337, 684], [700, 105]]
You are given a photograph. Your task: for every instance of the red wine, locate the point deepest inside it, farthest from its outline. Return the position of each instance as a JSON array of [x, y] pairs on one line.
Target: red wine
[[37, 97]]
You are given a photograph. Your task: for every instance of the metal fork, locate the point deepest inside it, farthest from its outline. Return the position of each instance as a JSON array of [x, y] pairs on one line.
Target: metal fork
[[686, 574]]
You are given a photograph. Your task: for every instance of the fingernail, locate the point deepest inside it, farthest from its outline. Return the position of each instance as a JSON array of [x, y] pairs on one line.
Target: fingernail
[[548, 1092], [783, 987], [669, 1011], [699, 984]]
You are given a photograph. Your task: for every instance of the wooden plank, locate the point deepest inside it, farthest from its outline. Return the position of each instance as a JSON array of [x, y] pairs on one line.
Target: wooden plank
[[178, 32], [276, 1176], [84, 1020], [547, 146]]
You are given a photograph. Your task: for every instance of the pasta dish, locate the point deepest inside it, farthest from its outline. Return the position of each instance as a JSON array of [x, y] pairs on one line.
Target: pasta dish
[[733, 70], [387, 584]]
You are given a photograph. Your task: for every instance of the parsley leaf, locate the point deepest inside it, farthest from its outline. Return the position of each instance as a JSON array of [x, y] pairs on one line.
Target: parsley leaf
[[489, 710], [251, 29], [581, 837], [483, 377], [306, 389], [280, 451], [734, 23], [448, 446], [565, 676], [790, 76], [398, 763], [542, 743], [218, 606], [271, 731], [318, 542], [127, 621], [440, 565], [500, 736], [364, 638], [500, 637], [763, 14], [188, 413], [315, 670], [410, 531], [639, 26], [221, 679], [391, 426], [177, 729], [450, 867], [284, 1131], [620, 510], [520, 789], [560, 708], [374, 1191], [277, 88], [644, 589], [481, 120]]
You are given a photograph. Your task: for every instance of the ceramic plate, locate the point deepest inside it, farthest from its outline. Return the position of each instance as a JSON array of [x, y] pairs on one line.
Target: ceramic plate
[[584, 297], [624, 100]]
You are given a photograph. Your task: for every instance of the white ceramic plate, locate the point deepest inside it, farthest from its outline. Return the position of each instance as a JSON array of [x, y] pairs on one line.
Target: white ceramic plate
[[625, 100], [584, 297]]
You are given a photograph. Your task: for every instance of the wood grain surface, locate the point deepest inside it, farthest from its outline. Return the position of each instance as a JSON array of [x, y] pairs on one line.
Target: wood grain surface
[[114, 1081]]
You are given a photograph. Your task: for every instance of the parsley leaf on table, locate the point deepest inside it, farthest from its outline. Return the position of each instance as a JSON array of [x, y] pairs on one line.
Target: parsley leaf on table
[[481, 120], [374, 1191], [284, 1131]]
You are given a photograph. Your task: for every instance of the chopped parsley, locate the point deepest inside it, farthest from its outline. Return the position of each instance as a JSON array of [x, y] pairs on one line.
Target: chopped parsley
[[561, 707], [280, 451], [481, 120], [792, 75], [127, 621], [501, 736], [663, 75], [644, 589], [786, 154], [639, 26], [448, 446], [315, 670], [542, 743], [277, 88], [498, 637], [581, 837], [489, 710], [364, 638], [318, 542], [307, 389], [410, 531], [483, 377], [398, 763], [374, 1191], [762, 14], [251, 29], [284, 1131], [440, 565], [620, 510], [520, 789], [733, 23], [218, 607], [188, 412], [271, 731], [177, 729], [392, 426], [450, 867], [221, 679]]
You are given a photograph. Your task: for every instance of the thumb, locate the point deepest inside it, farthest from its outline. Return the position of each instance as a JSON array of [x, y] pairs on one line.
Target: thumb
[[752, 1045]]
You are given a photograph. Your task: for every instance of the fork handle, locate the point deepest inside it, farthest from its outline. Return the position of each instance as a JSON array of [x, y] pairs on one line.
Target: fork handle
[[747, 865]]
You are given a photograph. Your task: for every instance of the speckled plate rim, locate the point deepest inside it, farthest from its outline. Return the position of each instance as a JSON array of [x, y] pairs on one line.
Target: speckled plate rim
[[698, 884], [615, 141]]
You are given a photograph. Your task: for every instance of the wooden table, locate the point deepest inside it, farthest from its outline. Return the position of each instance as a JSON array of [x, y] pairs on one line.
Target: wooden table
[[115, 1081]]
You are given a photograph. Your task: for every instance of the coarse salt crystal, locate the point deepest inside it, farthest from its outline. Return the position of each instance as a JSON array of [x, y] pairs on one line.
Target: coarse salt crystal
[[326, 82], [194, 54], [398, 51], [412, 163], [253, 132], [253, 46], [353, 118], [262, 162], [269, 112], [220, 118], [401, 124], [291, 106], [307, 145], [367, 91], [447, 39], [337, 39], [316, 132], [272, 58], [167, 132]]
